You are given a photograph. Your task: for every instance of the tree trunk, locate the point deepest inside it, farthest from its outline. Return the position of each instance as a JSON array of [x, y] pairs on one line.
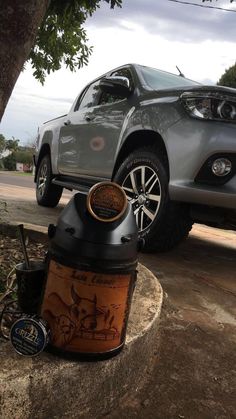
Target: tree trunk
[[19, 23]]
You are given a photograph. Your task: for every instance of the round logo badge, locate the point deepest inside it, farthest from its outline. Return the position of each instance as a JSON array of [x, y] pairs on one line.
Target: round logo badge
[[29, 335], [106, 201]]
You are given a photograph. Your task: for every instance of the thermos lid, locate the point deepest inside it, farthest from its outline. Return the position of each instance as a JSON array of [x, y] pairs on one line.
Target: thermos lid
[[106, 201], [100, 225]]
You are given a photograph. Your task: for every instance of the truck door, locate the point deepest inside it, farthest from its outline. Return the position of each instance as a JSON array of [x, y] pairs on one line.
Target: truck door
[[89, 141]]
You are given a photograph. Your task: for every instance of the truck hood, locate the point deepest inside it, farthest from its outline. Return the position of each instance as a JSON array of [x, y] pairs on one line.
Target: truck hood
[[173, 94], [199, 88], [55, 119]]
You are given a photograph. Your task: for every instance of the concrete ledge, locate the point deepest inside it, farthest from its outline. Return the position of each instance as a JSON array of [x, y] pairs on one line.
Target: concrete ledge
[[49, 387], [34, 232]]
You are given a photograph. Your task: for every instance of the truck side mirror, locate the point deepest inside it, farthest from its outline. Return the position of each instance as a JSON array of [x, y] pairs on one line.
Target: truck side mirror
[[116, 85]]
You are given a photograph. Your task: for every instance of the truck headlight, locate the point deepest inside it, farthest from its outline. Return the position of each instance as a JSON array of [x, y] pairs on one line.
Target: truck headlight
[[210, 106]]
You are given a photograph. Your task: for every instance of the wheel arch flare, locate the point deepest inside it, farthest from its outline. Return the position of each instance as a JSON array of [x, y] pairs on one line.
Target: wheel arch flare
[[139, 139]]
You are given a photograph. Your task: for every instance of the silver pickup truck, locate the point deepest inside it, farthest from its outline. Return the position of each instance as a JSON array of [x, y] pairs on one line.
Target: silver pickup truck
[[169, 141]]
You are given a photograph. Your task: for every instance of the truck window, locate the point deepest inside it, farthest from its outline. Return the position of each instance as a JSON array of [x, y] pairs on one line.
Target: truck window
[[90, 97]]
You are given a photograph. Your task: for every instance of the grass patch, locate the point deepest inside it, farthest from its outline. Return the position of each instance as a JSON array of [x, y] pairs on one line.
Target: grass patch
[[16, 173]]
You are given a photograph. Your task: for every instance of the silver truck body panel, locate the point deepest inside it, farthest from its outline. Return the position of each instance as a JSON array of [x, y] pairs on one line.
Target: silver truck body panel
[[90, 144]]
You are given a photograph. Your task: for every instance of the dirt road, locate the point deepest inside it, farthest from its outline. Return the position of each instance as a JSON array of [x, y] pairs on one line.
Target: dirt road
[[15, 185]]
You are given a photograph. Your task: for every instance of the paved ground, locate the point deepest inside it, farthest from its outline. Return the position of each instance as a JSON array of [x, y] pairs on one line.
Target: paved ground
[[195, 375], [194, 372]]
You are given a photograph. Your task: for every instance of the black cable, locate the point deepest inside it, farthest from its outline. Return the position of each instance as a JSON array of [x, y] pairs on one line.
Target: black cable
[[14, 313], [204, 6]]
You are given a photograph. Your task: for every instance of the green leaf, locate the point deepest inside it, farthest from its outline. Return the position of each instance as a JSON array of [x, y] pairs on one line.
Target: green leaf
[[62, 39]]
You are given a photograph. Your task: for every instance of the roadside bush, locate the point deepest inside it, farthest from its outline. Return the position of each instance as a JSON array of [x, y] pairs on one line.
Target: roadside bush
[[9, 162], [25, 157], [229, 77]]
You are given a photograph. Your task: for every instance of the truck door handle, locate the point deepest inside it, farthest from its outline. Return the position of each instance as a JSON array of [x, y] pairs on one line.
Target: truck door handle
[[89, 118], [68, 122]]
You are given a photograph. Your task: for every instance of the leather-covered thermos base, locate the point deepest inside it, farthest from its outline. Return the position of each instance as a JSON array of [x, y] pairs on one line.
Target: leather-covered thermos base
[[87, 311]]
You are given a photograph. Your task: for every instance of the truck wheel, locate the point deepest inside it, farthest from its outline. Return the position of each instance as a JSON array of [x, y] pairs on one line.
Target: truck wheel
[[144, 178], [47, 194]]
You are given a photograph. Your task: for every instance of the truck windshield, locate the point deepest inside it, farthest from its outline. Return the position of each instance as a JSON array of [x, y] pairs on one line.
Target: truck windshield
[[157, 79]]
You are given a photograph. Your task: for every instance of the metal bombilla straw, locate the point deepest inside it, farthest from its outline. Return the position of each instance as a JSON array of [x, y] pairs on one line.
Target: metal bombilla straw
[[22, 240]]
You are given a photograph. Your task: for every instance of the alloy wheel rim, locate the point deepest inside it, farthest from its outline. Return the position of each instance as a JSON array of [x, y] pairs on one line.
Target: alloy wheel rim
[[143, 190], [42, 179]]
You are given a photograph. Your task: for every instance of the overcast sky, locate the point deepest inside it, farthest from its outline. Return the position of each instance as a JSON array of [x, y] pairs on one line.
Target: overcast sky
[[157, 33]]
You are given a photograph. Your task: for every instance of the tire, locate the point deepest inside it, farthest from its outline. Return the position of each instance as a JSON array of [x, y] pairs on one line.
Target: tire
[[162, 223], [47, 194]]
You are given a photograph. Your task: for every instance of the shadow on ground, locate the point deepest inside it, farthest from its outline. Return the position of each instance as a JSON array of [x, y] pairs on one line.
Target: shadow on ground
[[194, 374]]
